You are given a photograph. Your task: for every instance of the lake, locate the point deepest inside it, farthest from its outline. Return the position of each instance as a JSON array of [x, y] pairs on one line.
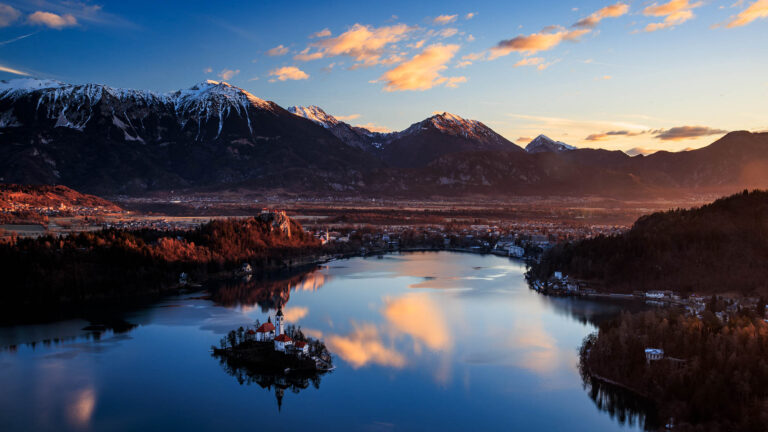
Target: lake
[[420, 341]]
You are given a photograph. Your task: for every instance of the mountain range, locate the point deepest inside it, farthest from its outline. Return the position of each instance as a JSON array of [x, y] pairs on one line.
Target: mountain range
[[213, 136]]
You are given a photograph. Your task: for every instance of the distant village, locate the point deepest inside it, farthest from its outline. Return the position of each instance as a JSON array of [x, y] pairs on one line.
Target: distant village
[[696, 305]]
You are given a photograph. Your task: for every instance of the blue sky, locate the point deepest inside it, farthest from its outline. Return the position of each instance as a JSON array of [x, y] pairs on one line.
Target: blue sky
[[655, 75]]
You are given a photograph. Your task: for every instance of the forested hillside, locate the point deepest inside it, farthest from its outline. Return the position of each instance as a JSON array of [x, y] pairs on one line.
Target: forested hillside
[[718, 248]]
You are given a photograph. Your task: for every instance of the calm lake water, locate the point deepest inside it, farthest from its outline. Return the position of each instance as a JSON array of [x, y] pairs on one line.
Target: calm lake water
[[421, 341]]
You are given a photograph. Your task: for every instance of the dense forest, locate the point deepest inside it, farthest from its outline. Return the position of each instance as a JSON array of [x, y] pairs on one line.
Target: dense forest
[[718, 248], [714, 375], [115, 263]]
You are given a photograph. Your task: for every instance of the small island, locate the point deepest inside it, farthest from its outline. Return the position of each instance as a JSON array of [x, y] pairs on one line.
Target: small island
[[274, 347], [274, 355]]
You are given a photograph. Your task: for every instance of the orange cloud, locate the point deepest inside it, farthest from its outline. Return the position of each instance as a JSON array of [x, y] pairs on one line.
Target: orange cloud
[[363, 43], [227, 74], [321, 34], [12, 71], [448, 32], [524, 140], [374, 128], [294, 314], [756, 10], [687, 132], [539, 62], [419, 317], [364, 346], [288, 73], [444, 19], [612, 11], [305, 55], [348, 117], [52, 20], [535, 42], [675, 12], [278, 51], [607, 135], [422, 72]]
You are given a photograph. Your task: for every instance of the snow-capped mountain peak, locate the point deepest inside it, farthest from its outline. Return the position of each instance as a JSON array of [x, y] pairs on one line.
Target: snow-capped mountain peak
[[217, 91], [316, 114], [543, 143]]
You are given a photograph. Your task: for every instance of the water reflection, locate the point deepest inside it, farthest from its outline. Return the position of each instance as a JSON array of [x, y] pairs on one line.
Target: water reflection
[[423, 341], [269, 291], [625, 407], [294, 381]]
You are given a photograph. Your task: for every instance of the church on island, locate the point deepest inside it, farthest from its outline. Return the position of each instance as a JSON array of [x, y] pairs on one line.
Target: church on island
[[275, 333]]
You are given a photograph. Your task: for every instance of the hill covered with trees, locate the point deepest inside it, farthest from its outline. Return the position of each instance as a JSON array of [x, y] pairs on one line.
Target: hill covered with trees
[[721, 247], [116, 264], [713, 377]]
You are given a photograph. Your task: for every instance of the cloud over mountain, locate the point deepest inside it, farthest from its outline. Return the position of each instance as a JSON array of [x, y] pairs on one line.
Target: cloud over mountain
[[423, 71], [287, 73]]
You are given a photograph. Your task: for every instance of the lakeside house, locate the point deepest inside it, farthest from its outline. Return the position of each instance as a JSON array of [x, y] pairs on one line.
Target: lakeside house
[[653, 354]]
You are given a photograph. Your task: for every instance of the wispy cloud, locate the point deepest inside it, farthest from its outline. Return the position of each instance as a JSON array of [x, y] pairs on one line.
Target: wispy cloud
[[277, 51], [423, 71], [365, 44], [687, 132], [227, 74], [12, 71], [52, 20], [470, 15], [674, 12], [321, 34], [348, 117], [612, 11], [677, 133], [208, 70], [536, 42], [606, 135], [539, 62], [757, 10], [444, 19], [287, 73], [10, 41], [8, 15], [374, 127]]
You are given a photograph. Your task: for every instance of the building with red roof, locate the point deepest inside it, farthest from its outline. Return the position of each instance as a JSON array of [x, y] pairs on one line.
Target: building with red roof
[[282, 342], [265, 332]]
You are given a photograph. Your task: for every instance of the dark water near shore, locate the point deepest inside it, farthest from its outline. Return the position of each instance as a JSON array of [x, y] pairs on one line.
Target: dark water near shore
[[421, 341]]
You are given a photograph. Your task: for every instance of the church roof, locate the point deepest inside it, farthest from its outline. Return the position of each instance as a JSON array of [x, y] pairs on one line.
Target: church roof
[[283, 338], [266, 328]]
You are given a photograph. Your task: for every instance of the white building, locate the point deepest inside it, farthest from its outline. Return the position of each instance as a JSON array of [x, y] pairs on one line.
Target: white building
[[265, 333], [302, 347], [279, 324], [282, 342], [516, 251], [653, 354]]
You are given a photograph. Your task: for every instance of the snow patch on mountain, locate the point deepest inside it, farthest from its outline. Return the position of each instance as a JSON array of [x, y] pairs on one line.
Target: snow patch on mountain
[[543, 143], [316, 114]]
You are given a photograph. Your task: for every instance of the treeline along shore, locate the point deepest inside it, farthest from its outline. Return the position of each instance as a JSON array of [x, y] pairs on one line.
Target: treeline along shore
[[704, 373], [115, 264], [719, 248]]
